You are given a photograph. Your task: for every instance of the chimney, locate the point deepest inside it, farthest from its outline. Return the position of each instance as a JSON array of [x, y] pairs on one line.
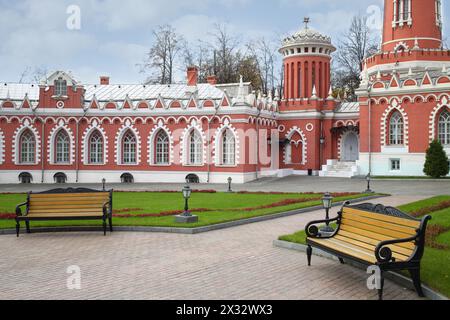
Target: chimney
[[104, 81], [212, 80], [192, 76]]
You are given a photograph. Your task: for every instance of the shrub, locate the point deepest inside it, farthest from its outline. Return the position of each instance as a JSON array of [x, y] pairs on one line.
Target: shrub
[[436, 163]]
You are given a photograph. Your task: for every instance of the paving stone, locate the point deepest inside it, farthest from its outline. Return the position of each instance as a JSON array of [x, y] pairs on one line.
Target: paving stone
[[235, 263]]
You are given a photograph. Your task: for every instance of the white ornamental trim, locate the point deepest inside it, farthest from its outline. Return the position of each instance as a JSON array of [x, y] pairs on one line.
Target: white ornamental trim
[[433, 117], [26, 125], [287, 153], [217, 142], [128, 125], [51, 143], [385, 126], [195, 125], [2, 147], [95, 125], [151, 142]]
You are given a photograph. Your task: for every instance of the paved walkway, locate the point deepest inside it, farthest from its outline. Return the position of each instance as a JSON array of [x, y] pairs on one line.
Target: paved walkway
[[287, 184], [236, 263]]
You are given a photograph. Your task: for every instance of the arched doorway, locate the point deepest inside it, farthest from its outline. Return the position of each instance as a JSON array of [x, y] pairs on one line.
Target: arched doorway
[[350, 146]]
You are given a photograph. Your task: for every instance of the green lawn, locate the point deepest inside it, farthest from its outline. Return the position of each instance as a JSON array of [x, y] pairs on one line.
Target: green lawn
[[223, 207], [436, 260]]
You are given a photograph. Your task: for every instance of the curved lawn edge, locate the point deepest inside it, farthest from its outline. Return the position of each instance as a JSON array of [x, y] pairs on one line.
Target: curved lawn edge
[[187, 229], [393, 276]]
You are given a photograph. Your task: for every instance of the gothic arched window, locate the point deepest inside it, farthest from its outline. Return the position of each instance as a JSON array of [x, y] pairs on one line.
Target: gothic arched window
[[228, 148], [96, 148], [396, 129], [444, 127], [195, 148], [27, 148], [61, 87], [129, 147], [162, 148], [62, 147]]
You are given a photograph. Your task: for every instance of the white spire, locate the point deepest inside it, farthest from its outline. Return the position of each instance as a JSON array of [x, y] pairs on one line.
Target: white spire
[[379, 75], [410, 72], [241, 95], [416, 44], [277, 94], [444, 69], [314, 93], [330, 93]]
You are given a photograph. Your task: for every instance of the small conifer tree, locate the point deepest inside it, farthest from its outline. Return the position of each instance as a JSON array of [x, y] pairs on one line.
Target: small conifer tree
[[436, 162]]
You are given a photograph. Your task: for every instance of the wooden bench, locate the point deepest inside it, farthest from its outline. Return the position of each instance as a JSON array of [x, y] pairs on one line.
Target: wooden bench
[[66, 204], [374, 235]]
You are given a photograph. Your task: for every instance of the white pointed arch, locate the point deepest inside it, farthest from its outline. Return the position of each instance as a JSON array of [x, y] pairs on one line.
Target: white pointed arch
[[26, 125], [152, 144], [287, 155], [435, 113], [385, 125], [95, 126], [185, 142], [217, 152], [127, 126], [61, 125]]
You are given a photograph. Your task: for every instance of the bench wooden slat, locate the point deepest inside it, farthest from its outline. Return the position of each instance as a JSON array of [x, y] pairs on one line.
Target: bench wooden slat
[[66, 215], [397, 255], [66, 206], [374, 235], [379, 230], [378, 223], [382, 217], [69, 195], [350, 250], [63, 200], [60, 210], [404, 249]]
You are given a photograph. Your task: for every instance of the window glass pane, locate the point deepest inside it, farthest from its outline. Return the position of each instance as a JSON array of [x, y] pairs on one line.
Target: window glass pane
[[162, 148], [27, 148], [96, 148], [444, 128], [129, 148]]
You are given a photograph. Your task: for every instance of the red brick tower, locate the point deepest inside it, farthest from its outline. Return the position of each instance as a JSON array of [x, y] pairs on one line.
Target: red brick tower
[[412, 23]]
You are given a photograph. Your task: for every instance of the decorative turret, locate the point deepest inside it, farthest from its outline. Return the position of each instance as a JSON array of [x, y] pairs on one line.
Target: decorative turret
[[307, 57], [412, 24]]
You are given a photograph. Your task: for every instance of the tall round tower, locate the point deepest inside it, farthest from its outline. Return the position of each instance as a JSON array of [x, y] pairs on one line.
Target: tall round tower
[[307, 59], [407, 25]]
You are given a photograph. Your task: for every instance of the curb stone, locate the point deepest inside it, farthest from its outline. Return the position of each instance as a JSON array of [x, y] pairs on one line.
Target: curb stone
[[393, 276], [190, 230]]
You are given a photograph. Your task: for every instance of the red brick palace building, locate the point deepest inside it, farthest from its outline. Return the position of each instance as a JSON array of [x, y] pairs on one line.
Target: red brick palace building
[[61, 130]]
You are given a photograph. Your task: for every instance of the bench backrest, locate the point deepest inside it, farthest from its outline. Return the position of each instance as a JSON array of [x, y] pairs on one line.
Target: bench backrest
[[68, 201], [370, 224]]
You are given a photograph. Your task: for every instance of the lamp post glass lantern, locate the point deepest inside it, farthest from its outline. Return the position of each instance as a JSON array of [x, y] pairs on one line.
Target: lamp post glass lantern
[[187, 191], [327, 202], [229, 184]]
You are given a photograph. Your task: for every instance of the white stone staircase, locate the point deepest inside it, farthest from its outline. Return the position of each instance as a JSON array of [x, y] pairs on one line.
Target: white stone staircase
[[338, 169]]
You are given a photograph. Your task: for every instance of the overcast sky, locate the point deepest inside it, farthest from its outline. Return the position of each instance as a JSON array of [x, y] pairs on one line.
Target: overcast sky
[[114, 35]]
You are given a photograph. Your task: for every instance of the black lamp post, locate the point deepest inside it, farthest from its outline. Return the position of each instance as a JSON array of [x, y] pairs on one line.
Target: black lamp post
[[229, 184], [368, 179], [187, 191], [104, 184], [327, 202]]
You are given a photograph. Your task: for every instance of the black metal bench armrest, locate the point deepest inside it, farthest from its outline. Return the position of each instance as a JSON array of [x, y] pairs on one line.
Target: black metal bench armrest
[[384, 253], [106, 208], [19, 211], [312, 231]]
